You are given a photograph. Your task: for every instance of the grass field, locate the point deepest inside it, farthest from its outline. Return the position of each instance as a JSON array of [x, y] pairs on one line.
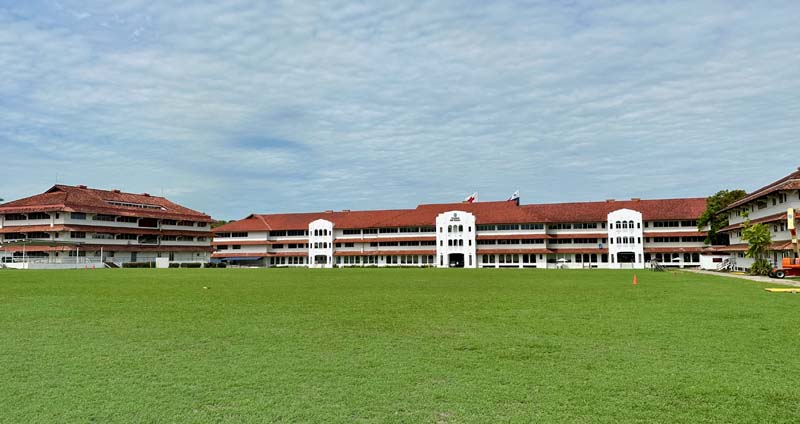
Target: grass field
[[389, 345]]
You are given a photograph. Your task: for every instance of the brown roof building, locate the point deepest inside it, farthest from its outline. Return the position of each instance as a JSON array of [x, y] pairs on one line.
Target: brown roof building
[[482, 234], [73, 224]]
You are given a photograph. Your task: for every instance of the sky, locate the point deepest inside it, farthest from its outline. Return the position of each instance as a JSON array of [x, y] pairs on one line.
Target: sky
[[259, 106]]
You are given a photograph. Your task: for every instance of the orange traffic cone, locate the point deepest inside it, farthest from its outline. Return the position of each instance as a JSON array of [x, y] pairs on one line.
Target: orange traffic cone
[[635, 281]]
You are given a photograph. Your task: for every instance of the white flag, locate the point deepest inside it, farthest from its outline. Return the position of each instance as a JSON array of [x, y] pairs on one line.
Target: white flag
[[472, 198], [514, 196]]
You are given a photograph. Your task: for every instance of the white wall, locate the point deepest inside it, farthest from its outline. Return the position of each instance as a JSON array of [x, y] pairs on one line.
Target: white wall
[[455, 233], [320, 243], [635, 234]]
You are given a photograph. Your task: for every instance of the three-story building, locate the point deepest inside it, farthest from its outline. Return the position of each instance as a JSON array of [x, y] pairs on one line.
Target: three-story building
[[68, 223], [608, 234]]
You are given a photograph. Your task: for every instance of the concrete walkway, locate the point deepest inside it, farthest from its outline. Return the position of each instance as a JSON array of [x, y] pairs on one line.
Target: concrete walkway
[[785, 282]]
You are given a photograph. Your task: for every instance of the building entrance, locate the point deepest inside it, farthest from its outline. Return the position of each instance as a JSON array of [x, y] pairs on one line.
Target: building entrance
[[456, 260]]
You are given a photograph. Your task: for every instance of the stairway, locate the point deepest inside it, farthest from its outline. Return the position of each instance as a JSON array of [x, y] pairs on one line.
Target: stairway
[[656, 266]]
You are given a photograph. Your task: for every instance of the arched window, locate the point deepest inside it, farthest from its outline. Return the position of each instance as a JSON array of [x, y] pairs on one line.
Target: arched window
[[619, 240], [449, 242], [611, 225], [461, 242], [449, 228], [461, 228], [618, 225], [631, 224], [624, 224]]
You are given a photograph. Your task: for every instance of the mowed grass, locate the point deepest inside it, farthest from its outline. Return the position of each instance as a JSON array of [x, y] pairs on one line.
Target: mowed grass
[[391, 345]]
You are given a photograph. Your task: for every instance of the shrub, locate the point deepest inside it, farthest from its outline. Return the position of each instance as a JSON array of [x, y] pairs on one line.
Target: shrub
[[139, 265], [191, 265], [761, 267]]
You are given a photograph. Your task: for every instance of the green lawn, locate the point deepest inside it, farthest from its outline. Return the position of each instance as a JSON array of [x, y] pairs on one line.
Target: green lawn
[[389, 345]]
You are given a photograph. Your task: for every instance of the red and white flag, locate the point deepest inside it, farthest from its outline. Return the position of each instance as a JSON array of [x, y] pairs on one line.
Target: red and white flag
[[472, 198]]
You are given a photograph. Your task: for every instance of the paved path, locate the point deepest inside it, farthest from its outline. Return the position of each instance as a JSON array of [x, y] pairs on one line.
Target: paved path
[[767, 280]]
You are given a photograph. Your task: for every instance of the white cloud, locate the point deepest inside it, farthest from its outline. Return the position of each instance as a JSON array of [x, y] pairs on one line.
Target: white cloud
[[246, 106]]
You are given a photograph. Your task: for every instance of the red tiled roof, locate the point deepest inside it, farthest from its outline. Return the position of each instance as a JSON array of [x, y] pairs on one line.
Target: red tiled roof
[[485, 213], [789, 182], [764, 220], [20, 248], [81, 199], [254, 242], [239, 255], [778, 246]]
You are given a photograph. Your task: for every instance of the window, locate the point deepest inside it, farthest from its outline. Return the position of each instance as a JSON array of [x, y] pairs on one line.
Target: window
[[296, 233], [485, 227], [239, 235], [77, 234], [236, 247], [131, 219], [350, 232], [38, 215], [135, 205], [77, 215]]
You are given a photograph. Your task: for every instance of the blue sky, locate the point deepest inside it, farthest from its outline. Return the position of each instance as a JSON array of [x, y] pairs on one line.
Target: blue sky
[[256, 106]]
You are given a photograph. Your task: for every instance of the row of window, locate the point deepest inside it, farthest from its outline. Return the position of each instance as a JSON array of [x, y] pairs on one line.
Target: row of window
[[99, 236], [232, 235], [455, 229], [575, 241], [288, 260], [509, 227], [624, 225], [495, 242]]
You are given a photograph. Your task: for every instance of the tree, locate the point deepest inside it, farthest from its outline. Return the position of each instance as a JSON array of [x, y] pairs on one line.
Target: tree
[[218, 223], [759, 241], [715, 220]]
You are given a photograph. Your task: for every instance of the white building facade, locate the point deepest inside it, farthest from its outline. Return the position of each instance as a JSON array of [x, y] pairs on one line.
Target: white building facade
[[77, 224], [775, 206], [473, 235]]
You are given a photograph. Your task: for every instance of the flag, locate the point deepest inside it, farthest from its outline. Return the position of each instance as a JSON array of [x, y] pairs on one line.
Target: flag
[[514, 196], [472, 198]]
